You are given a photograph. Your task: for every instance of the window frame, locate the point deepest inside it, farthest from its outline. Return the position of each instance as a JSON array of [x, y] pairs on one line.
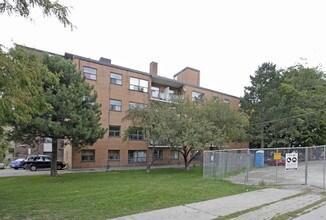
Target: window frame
[[116, 80], [160, 155], [116, 157], [138, 87], [112, 108], [137, 159], [89, 154], [89, 74], [137, 105], [114, 132], [137, 136], [200, 96], [172, 156]]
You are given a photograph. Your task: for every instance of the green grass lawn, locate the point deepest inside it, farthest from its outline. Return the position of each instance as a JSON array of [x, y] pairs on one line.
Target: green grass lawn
[[106, 194]]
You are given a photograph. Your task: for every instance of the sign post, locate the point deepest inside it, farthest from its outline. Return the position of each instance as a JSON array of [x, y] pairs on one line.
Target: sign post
[[291, 161]]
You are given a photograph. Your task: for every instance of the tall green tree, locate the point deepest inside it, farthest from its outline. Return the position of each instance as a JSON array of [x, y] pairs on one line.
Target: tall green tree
[[74, 115], [48, 7], [22, 78], [291, 111], [299, 109], [258, 100]]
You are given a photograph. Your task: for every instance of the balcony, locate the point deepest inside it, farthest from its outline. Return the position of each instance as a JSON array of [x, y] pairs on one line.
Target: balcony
[[166, 96], [157, 144]]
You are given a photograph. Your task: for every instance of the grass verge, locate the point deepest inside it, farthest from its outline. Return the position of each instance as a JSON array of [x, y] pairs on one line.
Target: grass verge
[[107, 194]]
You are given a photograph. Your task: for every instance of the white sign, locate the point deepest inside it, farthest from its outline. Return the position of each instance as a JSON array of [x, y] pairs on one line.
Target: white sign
[[291, 161]]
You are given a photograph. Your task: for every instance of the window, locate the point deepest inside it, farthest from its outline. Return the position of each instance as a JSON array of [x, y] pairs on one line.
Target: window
[[115, 105], [89, 73], [135, 105], [158, 155], [137, 156], [114, 131], [47, 159], [116, 79], [174, 154], [216, 99], [138, 84], [88, 155], [137, 134], [114, 154], [227, 101], [197, 96]]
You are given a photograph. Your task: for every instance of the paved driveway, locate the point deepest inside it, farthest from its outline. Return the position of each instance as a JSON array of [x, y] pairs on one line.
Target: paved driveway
[[278, 175], [21, 172]]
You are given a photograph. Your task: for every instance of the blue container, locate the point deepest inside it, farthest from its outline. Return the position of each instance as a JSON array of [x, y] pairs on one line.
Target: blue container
[[259, 158]]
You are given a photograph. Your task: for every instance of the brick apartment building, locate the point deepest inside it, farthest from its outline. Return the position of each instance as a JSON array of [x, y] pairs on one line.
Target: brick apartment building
[[121, 88]]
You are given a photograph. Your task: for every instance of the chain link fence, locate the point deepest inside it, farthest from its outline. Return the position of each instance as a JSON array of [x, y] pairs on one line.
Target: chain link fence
[[300, 165]]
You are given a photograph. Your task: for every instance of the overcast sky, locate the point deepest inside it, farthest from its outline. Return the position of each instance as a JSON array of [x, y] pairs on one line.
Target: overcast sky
[[225, 39]]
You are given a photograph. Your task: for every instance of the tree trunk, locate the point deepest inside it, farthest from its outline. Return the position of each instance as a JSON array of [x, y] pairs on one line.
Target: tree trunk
[[148, 167], [150, 163], [54, 171], [185, 157]]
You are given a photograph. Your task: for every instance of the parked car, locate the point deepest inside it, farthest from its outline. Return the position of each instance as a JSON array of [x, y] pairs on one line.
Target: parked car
[[272, 162], [18, 163], [34, 162], [2, 166]]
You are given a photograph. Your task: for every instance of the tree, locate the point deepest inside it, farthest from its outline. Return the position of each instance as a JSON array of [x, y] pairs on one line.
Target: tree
[[258, 100], [22, 78], [289, 111], [147, 119], [23, 8], [301, 106], [189, 127], [4, 143], [74, 115]]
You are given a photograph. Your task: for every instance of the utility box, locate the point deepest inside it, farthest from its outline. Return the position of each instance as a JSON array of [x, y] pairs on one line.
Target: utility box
[[259, 158]]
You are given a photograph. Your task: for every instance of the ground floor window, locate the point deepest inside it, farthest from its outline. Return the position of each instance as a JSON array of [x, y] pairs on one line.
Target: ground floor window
[[88, 155], [114, 155], [174, 154], [158, 154], [137, 156]]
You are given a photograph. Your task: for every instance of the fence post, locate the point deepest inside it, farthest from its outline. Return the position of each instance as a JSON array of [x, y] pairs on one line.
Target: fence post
[[248, 166], [226, 163], [324, 169], [306, 167], [276, 166]]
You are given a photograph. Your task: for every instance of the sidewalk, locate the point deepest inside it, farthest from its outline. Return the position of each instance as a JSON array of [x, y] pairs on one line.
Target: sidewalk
[[268, 202]]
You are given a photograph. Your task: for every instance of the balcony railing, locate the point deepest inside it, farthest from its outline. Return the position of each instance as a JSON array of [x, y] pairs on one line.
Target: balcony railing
[[165, 96], [157, 144]]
